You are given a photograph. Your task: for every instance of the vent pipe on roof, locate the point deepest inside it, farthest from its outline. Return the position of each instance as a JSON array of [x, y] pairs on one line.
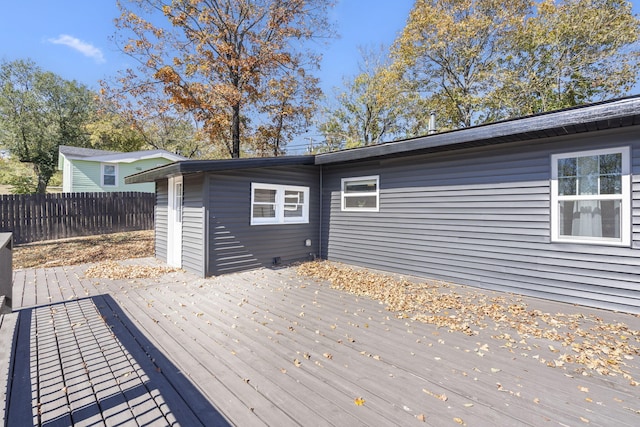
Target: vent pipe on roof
[[432, 123]]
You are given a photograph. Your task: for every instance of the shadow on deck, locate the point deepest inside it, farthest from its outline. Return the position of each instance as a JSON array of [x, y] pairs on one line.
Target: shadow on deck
[[84, 362]]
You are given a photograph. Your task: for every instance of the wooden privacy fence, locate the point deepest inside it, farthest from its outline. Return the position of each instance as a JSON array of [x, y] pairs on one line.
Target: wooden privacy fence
[[36, 217]]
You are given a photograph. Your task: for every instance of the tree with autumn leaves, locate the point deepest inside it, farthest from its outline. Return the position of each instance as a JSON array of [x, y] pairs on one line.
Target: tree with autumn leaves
[[240, 68], [479, 61]]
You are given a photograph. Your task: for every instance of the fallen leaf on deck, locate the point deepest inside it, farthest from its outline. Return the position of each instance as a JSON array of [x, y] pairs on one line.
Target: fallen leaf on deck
[[601, 347], [359, 401], [459, 421], [297, 363], [115, 271], [442, 397], [421, 417], [583, 389]]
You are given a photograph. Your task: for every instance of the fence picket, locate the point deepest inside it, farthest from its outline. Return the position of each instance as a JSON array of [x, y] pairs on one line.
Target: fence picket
[[36, 217]]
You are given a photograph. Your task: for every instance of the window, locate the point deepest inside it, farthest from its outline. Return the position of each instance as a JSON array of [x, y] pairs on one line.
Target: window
[[590, 197], [179, 196], [109, 175], [279, 204], [360, 194]]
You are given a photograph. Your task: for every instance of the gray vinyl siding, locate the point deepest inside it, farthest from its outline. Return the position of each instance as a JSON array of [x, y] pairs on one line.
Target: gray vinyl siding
[[161, 218], [234, 244], [193, 227], [481, 217]]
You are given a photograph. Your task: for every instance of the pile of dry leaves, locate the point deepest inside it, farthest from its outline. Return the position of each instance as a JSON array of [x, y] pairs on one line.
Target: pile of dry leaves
[[113, 270], [80, 250], [584, 340]]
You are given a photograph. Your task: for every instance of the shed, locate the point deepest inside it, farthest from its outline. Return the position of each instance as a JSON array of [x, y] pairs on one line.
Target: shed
[[545, 205]]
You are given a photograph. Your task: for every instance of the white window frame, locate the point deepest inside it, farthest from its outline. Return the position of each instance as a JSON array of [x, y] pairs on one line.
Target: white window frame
[[344, 196], [102, 174], [624, 197], [280, 217]]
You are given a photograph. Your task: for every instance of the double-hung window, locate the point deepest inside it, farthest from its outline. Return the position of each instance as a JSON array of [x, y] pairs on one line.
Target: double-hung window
[[279, 204], [360, 193], [591, 197], [109, 175]]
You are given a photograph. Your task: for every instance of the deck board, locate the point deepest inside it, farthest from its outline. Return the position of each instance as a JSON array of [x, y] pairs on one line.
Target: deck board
[[8, 323], [179, 350]]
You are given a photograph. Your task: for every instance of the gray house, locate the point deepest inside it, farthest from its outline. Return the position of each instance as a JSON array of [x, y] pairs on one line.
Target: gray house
[[546, 205]]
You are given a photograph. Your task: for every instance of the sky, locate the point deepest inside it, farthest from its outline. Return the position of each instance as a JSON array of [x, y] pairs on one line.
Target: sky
[[71, 38]]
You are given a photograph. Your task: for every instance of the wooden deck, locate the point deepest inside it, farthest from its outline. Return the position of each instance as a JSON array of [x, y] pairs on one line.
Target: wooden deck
[[268, 347]]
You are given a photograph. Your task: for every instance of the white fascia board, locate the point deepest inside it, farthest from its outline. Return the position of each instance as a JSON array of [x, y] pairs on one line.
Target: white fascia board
[[132, 157]]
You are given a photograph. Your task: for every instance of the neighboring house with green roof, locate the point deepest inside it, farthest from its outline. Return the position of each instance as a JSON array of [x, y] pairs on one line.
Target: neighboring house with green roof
[[90, 170]]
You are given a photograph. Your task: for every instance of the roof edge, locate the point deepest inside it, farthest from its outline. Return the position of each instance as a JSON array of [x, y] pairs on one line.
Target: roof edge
[[559, 119], [195, 166]]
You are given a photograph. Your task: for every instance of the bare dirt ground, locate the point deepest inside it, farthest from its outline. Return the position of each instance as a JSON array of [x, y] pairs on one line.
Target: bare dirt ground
[[79, 250]]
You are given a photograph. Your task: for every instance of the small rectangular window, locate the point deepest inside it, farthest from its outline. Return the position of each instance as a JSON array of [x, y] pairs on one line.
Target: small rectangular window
[[179, 197], [360, 194], [279, 204], [590, 197], [109, 175]]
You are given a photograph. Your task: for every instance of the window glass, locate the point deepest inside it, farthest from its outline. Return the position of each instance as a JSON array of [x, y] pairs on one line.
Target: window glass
[[293, 204], [360, 194], [279, 204], [108, 175], [591, 197], [590, 218], [264, 203], [264, 196], [361, 202], [367, 185], [179, 195]]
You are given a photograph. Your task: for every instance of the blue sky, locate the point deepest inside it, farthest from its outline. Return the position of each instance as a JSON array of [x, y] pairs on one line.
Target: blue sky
[[71, 37]]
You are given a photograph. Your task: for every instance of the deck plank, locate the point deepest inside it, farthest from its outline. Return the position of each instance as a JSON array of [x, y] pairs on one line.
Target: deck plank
[[253, 342], [223, 384], [253, 364], [20, 402], [228, 346], [8, 324], [358, 363]]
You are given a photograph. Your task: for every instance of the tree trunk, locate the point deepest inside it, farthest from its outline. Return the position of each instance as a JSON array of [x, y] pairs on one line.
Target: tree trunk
[[43, 179], [235, 132], [44, 171]]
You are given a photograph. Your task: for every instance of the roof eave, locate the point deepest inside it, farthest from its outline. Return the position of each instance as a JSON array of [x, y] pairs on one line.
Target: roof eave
[[196, 166], [607, 115]]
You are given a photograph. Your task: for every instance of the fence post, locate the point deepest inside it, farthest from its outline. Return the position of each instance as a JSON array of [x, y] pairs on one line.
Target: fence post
[[6, 273]]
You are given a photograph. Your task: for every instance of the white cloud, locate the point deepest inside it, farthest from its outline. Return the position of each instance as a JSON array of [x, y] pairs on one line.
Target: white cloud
[[84, 48]]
